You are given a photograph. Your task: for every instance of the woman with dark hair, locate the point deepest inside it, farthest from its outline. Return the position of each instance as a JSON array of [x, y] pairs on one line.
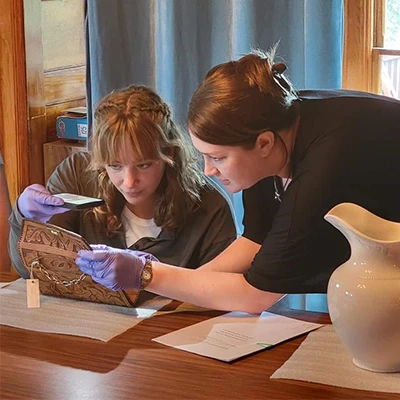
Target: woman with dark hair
[[295, 155], [156, 197]]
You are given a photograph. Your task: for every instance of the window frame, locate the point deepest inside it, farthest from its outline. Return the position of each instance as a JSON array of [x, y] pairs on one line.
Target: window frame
[[364, 44]]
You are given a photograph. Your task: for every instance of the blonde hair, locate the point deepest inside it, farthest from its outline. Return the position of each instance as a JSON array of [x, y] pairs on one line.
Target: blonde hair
[[238, 100], [139, 116]]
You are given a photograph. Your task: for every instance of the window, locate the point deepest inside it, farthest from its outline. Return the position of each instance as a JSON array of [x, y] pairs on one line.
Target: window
[[372, 46], [386, 48]]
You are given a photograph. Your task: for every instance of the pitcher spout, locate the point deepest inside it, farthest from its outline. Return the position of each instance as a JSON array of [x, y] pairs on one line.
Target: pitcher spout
[[353, 220]]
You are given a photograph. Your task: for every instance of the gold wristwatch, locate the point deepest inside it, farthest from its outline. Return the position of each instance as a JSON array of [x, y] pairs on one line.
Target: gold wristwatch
[[147, 275]]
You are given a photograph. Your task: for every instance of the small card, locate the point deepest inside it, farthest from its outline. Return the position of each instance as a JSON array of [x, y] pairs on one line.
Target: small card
[[32, 293]]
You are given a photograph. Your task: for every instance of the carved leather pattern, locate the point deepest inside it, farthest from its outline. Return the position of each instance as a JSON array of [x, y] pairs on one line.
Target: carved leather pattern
[[55, 249]]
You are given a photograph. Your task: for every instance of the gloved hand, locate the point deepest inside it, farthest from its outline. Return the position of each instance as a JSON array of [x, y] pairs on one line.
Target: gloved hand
[[38, 203], [115, 269]]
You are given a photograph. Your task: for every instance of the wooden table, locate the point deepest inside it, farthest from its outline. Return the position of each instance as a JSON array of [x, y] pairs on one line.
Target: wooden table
[[131, 366]]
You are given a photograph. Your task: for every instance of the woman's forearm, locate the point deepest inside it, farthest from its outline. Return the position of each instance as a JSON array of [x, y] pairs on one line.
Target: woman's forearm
[[217, 290], [235, 258]]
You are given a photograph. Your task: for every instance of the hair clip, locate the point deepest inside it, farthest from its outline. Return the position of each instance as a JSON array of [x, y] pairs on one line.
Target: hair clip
[[277, 71], [279, 68]]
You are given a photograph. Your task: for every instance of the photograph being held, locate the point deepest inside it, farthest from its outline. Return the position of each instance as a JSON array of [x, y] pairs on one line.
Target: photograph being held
[[157, 199], [295, 155]]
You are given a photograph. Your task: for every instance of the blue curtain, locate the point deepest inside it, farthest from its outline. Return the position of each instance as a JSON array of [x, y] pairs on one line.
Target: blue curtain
[[169, 45]]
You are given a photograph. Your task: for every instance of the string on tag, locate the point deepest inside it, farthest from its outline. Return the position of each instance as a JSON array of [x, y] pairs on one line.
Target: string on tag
[[31, 272]]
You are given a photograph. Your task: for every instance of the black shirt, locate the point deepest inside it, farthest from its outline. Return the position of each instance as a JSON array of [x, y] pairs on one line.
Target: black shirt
[[347, 149]]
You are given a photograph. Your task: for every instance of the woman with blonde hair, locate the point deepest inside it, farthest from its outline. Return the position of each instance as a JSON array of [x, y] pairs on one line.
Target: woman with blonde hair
[[156, 197]]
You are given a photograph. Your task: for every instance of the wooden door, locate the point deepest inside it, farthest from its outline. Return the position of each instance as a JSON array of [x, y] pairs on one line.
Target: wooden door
[[42, 68]]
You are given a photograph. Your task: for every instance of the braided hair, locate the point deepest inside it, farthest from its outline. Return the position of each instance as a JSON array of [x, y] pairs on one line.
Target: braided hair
[[138, 115]]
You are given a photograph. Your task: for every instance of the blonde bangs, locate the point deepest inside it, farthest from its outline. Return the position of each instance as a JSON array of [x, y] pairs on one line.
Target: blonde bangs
[[113, 136]]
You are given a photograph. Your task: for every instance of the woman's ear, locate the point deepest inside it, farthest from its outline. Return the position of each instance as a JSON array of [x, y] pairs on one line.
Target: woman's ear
[[170, 152], [265, 142]]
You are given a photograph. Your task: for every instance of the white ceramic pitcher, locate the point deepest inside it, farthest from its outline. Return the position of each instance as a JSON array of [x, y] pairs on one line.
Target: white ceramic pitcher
[[364, 292]]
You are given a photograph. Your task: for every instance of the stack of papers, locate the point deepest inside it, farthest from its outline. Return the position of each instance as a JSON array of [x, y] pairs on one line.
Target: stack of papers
[[234, 335]]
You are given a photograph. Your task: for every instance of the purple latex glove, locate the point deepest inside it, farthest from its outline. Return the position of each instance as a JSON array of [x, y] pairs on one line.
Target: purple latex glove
[[115, 269], [38, 203]]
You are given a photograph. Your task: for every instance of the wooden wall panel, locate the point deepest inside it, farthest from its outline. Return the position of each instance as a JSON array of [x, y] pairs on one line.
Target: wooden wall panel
[[32, 89], [13, 97], [63, 59], [63, 34], [64, 85], [35, 89], [358, 42]]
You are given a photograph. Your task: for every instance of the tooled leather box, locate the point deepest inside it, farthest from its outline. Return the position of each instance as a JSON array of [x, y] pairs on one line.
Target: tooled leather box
[[49, 252]]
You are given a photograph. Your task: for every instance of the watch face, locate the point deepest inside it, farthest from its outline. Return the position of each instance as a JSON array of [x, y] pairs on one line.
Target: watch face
[[146, 275]]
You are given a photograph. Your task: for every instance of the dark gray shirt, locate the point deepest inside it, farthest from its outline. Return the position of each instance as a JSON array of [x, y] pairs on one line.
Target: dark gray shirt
[[203, 235]]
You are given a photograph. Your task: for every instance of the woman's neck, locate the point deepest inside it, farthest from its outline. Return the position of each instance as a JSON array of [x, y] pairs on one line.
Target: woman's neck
[[289, 137], [144, 211]]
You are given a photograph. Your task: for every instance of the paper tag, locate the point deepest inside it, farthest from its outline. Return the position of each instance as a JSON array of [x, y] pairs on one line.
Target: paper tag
[[32, 293]]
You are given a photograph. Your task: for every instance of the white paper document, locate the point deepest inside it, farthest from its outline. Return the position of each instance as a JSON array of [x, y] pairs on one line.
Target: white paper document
[[234, 335], [71, 317]]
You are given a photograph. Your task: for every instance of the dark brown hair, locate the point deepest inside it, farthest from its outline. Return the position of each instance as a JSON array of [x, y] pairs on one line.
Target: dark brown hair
[[240, 99], [138, 115]]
